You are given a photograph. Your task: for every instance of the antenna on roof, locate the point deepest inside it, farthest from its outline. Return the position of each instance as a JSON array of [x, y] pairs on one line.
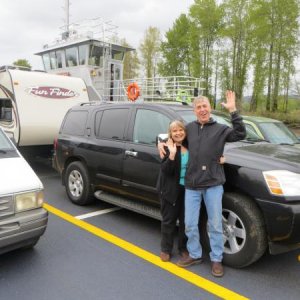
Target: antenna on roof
[[66, 32]]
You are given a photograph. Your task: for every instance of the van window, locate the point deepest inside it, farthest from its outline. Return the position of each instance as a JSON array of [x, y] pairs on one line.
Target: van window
[[148, 125], [113, 123], [4, 142], [75, 123]]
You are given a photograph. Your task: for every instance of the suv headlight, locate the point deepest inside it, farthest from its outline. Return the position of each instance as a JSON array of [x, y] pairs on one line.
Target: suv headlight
[[27, 201], [282, 183]]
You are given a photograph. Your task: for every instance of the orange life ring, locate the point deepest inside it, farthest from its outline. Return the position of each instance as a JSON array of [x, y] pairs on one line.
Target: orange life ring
[[133, 91]]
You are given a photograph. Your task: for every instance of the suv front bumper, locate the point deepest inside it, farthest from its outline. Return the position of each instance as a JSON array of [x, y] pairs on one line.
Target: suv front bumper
[[283, 225]]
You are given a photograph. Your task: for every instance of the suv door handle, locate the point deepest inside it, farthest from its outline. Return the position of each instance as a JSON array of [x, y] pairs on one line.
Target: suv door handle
[[131, 153]]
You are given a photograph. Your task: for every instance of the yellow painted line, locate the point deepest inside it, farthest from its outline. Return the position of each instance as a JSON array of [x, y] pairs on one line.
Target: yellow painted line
[[188, 276]]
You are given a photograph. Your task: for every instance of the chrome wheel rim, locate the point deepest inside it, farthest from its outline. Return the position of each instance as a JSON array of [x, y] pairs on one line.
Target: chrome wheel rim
[[75, 183], [234, 232]]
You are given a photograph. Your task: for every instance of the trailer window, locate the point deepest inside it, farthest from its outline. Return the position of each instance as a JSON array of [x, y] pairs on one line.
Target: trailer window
[[5, 110], [71, 57]]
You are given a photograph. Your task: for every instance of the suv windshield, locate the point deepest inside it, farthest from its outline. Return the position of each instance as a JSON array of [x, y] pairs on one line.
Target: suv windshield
[[278, 133], [189, 116]]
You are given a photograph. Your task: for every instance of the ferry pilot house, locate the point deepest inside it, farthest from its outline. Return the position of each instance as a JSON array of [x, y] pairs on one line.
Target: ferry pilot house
[[100, 64]]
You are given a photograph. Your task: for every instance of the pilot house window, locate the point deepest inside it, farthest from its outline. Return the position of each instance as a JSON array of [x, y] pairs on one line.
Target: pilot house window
[[96, 56], [71, 57]]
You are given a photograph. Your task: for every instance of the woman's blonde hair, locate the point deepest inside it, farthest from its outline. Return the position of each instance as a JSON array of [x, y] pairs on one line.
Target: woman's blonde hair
[[173, 124]]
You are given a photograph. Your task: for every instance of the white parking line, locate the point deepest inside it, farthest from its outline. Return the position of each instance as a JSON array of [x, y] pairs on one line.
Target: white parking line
[[97, 213]]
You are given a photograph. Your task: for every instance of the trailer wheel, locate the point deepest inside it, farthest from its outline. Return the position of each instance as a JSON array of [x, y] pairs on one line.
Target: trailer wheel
[[77, 184], [244, 233]]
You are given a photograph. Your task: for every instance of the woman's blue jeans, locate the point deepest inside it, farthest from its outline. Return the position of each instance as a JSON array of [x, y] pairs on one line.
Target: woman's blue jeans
[[213, 201]]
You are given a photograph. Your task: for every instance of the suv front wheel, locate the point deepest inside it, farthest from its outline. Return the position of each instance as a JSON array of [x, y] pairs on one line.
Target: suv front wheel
[[77, 184], [244, 234]]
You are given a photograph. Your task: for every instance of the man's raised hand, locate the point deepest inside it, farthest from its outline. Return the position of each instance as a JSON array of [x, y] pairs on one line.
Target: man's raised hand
[[230, 101]]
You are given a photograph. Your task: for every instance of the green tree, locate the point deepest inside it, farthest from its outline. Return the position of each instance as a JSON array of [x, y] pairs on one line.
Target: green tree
[[239, 31], [280, 27], [22, 63], [207, 19], [176, 49], [131, 62], [149, 48]]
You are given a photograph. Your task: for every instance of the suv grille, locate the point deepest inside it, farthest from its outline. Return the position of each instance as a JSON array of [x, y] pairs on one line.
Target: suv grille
[[6, 206]]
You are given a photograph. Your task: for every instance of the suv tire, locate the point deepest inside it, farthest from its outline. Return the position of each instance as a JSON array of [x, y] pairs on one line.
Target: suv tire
[[77, 184], [244, 233]]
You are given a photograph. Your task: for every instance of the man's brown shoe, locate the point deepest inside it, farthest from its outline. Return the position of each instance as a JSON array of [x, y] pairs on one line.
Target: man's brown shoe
[[217, 269], [184, 254], [187, 261], [165, 256]]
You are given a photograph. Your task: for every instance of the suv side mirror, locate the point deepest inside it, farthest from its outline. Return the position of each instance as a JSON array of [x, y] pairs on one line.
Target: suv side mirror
[[162, 137]]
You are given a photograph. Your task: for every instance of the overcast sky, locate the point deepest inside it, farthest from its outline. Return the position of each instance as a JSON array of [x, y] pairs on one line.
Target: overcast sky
[[27, 25]]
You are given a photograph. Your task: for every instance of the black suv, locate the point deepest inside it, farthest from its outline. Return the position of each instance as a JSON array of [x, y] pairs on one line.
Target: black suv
[[108, 150]]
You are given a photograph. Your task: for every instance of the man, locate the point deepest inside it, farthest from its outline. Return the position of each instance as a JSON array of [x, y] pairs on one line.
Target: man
[[205, 178]]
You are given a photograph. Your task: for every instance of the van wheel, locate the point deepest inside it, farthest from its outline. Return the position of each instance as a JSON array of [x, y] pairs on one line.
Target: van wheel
[[244, 233], [77, 184]]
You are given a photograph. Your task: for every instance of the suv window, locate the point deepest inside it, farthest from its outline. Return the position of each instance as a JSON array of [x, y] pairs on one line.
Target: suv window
[[75, 123], [112, 124], [148, 124]]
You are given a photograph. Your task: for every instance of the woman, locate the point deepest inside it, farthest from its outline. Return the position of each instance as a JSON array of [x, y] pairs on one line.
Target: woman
[[171, 191]]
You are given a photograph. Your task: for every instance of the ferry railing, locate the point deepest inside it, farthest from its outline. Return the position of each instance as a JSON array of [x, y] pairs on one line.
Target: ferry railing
[[172, 88]]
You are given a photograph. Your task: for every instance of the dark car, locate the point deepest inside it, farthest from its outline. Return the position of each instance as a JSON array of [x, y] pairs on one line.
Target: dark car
[[108, 150]]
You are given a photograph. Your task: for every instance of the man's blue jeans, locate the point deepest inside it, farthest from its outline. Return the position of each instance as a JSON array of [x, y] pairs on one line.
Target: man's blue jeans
[[213, 201]]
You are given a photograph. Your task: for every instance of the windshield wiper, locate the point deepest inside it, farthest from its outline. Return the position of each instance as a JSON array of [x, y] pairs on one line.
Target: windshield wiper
[[3, 151]]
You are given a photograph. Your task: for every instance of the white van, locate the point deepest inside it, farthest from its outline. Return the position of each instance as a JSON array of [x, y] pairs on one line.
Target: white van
[[22, 218], [33, 104]]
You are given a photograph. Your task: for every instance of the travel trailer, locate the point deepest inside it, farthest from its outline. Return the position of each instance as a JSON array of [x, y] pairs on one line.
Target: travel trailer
[[33, 104]]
